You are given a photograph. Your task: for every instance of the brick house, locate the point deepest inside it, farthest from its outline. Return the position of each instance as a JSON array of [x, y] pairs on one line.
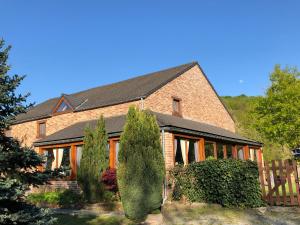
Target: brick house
[[194, 122]]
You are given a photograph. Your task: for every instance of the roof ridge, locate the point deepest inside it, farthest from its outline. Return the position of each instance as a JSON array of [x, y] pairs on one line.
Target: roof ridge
[[136, 77]]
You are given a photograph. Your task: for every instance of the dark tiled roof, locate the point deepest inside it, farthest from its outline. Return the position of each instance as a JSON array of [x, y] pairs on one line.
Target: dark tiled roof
[[114, 126], [116, 93]]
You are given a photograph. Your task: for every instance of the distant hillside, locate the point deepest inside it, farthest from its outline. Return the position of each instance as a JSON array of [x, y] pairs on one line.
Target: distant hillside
[[240, 107]]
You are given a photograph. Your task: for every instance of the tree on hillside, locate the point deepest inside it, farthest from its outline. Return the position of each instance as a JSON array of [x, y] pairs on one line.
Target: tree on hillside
[[241, 107], [94, 161], [18, 165], [141, 166], [278, 113]]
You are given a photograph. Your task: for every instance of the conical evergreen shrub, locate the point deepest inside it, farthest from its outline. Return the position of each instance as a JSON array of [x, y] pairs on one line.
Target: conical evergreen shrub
[[94, 161], [141, 166]]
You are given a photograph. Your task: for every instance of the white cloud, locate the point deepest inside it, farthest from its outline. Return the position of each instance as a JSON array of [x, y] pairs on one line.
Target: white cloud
[[241, 81]]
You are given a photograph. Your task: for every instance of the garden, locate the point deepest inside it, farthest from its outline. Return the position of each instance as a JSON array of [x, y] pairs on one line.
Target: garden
[[212, 191]]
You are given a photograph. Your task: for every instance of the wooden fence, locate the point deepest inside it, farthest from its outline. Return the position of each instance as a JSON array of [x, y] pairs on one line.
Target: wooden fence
[[279, 182]]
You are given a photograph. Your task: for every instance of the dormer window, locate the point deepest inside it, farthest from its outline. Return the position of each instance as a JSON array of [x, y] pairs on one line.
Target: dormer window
[[176, 106], [63, 107]]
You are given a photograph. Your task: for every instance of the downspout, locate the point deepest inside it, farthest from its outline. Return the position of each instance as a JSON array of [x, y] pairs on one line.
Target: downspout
[[164, 155]]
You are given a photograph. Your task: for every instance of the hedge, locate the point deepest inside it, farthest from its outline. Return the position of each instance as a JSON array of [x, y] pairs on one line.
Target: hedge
[[228, 182]]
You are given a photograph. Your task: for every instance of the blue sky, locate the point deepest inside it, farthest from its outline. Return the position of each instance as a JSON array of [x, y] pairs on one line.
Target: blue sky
[[67, 46]]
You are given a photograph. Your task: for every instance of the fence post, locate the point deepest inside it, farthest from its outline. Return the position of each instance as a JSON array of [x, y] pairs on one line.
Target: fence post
[[296, 181], [261, 178]]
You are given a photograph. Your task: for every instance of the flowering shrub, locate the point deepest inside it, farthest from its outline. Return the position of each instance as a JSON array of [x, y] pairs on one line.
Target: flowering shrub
[[109, 179]]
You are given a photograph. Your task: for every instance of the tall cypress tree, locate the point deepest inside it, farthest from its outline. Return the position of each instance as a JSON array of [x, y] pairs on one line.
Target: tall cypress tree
[[94, 161], [18, 165], [141, 166], [101, 141]]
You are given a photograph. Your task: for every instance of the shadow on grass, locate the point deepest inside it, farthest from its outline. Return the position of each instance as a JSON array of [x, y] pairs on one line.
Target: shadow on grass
[[212, 214], [88, 220]]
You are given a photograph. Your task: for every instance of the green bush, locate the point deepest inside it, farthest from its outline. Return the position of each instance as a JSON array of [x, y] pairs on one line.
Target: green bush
[[94, 162], [141, 168], [227, 182], [65, 198]]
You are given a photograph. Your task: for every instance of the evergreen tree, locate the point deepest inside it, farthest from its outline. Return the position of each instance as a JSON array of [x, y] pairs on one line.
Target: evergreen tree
[[18, 165], [101, 151], [141, 166], [94, 161]]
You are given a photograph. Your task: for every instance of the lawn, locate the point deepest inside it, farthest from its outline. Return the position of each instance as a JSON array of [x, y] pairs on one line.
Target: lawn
[[287, 190], [88, 220], [205, 214]]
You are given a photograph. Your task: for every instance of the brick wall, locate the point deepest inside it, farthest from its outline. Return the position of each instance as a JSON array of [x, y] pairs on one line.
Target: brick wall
[[169, 152], [199, 101], [26, 132]]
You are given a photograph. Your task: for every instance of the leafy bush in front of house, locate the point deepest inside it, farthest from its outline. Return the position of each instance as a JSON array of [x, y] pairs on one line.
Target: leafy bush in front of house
[[64, 198], [227, 182], [94, 162], [141, 168], [109, 179]]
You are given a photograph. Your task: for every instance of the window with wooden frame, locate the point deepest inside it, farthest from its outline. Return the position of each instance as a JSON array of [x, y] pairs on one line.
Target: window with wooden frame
[[229, 153], [63, 106], [210, 149], [186, 150], [176, 105], [41, 129], [240, 153]]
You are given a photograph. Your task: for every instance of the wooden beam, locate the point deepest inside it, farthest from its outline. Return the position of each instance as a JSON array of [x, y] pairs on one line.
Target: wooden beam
[[112, 153], [63, 145], [73, 155], [259, 155], [202, 149], [246, 152], [234, 151], [186, 136]]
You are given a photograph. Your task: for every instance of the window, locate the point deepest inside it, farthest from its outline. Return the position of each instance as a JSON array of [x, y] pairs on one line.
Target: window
[[176, 107], [58, 158], [253, 154], [209, 150], [240, 153], [229, 151], [63, 107], [78, 154], [178, 152], [41, 129], [117, 144], [186, 151], [220, 152]]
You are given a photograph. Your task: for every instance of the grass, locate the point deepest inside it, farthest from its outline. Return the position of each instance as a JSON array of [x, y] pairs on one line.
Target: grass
[[205, 214], [287, 190], [88, 220], [63, 219]]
